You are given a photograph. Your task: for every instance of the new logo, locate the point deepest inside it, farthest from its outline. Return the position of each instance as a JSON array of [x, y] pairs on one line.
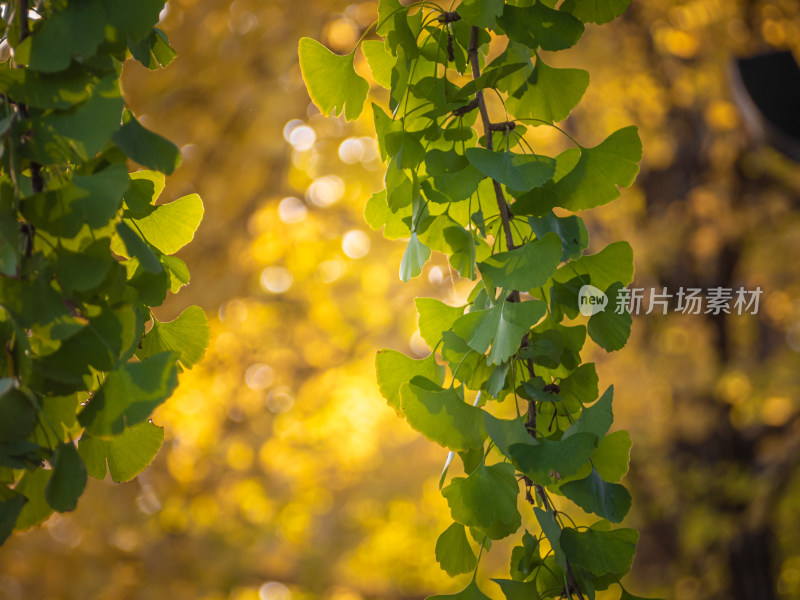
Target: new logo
[[591, 300]]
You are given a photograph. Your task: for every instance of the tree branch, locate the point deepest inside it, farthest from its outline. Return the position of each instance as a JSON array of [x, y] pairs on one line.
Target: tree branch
[[505, 213]]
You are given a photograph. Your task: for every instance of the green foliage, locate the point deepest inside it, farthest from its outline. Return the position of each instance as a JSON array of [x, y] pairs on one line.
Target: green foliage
[[474, 189], [86, 255]]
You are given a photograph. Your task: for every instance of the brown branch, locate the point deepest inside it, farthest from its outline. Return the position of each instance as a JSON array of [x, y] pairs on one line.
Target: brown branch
[[505, 213], [460, 112]]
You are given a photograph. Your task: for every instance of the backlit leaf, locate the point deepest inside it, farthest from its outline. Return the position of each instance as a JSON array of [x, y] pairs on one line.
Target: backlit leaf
[[612, 455], [435, 317], [147, 148], [600, 552], [129, 394], [32, 485], [608, 500], [548, 461], [516, 171], [68, 479], [332, 82], [595, 419], [171, 226], [471, 592], [549, 94], [187, 335], [453, 551], [395, 368], [526, 267], [611, 327], [601, 170], [442, 416], [486, 500], [414, 258], [595, 11], [126, 454]]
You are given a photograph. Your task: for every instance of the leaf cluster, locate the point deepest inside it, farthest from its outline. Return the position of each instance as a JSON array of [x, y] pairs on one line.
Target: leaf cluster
[[85, 253], [476, 190]]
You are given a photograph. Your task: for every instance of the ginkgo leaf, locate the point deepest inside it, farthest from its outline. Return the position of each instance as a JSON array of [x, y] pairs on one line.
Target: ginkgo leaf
[[506, 432], [171, 226], [611, 327], [441, 415], [453, 551], [395, 368], [126, 454], [608, 500], [518, 590], [414, 258], [552, 531], [549, 94], [380, 62], [129, 394], [332, 81], [612, 455], [548, 461], [594, 419], [68, 479], [145, 147], [526, 267], [187, 335], [482, 13], [541, 25], [471, 592], [501, 326], [486, 500], [516, 171], [612, 264], [600, 552], [595, 11], [435, 317], [524, 558], [600, 170], [571, 229]]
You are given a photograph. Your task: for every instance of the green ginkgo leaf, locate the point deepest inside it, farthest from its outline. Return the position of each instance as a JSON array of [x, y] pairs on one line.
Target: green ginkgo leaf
[[145, 147], [188, 335], [471, 592], [395, 368], [517, 590], [526, 267], [124, 455], [595, 11], [549, 94], [486, 500], [501, 326], [541, 25], [435, 317], [453, 551], [380, 62], [442, 416], [171, 226], [549, 461], [608, 500], [516, 171], [611, 327], [482, 13], [600, 170], [414, 258], [332, 81], [612, 455], [68, 479], [600, 552], [613, 263]]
